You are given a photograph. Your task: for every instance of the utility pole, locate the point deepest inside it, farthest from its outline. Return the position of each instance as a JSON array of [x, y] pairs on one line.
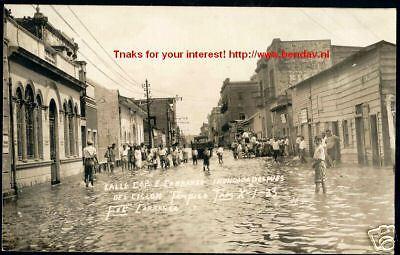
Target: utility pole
[[146, 88]]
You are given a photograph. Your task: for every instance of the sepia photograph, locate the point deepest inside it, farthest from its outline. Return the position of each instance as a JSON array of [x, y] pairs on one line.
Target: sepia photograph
[[187, 129]]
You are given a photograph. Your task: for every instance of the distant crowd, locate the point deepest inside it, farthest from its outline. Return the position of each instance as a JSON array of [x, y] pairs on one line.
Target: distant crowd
[[325, 153], [135, 157], [247, 145]]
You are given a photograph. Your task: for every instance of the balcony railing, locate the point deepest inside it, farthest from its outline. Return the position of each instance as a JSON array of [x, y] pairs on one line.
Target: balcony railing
[[19, 36]]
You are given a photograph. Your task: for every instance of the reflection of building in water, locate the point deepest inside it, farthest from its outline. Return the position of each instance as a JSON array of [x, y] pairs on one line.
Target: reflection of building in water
[[41, 109]]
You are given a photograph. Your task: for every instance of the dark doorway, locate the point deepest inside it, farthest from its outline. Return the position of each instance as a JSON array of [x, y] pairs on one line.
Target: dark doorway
[[335, 131], [53, 117], [310, 140], [83, 136], [360, 141], [374, 140]]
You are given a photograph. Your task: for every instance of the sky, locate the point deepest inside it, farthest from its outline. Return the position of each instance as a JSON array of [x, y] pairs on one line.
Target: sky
[[177, 29]]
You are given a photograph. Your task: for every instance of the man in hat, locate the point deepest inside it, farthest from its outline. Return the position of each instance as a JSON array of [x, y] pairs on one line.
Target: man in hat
[[89, 159]]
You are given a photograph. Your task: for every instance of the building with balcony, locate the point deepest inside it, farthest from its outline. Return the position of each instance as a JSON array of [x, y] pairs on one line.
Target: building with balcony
[[238, 101], [89, 115], [43, 84]]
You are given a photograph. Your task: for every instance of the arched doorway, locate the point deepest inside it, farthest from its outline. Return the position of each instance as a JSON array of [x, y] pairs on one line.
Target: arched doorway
[[54, 157]]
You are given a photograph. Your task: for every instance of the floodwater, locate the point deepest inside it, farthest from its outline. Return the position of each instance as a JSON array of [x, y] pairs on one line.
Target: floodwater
[[280, 214]]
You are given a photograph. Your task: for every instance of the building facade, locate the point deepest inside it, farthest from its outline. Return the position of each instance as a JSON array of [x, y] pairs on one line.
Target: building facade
[[43, 115], [162, 118], [108, 121], [204, 129], [237, 102], [131, 118], [120, 121], [214, 122], [276, 75], [89, 115], [356, 99]]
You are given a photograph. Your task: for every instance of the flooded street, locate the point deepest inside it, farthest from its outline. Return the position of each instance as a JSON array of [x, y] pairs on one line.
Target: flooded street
[[192, 211]]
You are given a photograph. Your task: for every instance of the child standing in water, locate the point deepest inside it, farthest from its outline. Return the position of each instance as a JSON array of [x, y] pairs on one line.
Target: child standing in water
[[319, 165]]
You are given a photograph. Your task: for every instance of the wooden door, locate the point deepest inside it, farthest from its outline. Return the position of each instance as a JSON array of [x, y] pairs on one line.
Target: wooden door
[[374, 140], [360, 140]]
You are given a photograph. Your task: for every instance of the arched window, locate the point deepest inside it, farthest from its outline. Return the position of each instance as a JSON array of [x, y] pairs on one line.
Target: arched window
[[71, 128], [30, 122], [66, 139], [20, 116], [39, 129]]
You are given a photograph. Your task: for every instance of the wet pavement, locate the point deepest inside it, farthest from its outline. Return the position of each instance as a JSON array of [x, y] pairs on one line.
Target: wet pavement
[[247, 205]]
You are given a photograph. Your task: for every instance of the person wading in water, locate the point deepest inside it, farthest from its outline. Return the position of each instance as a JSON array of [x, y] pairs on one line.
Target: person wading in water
[[89, 159]]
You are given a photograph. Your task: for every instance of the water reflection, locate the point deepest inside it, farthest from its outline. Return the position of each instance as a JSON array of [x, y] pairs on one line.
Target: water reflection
[[70, 217]]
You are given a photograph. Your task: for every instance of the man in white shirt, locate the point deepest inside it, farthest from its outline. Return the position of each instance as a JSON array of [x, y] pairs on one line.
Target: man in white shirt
[[220, 153], [275, 149], [286, 146], [124, 157], [89, 159], [319, 165], [245, 136], [302, 150]]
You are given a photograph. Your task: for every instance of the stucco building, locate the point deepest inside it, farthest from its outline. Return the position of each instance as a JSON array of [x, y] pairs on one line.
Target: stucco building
[[42, 109], [131, 118], [120, 121]]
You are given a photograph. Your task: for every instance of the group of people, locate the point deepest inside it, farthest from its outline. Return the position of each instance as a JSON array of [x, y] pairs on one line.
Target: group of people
[[328, 140], [325, 154], [139, 156], [244, 147], [135, 157]]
